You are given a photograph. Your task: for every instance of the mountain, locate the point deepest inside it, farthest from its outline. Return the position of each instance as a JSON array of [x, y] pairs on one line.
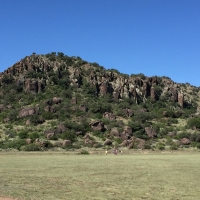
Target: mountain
[[57, 101]]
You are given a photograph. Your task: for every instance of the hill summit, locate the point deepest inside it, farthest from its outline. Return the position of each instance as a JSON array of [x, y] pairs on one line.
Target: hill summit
[[57, 101]]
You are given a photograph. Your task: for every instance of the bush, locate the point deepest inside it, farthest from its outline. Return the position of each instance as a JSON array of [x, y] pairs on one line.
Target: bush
[[84, 152], [173, 147], [118, 140], [161, 146], [14, 144], [23, 134], [31, 147], [147, 146], [97, 133], [183, 135], [140, 134], [33, 136], [68, 136], [198, 145], [194, 122]]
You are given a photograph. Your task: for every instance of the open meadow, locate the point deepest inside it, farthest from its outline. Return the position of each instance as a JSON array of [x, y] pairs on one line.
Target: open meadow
[[134, 176]]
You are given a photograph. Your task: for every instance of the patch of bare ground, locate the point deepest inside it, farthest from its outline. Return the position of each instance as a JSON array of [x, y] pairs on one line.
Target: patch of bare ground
[[5, 198]]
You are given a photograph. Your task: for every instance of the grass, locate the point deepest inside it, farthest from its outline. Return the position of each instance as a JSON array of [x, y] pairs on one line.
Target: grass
[[56, 176]]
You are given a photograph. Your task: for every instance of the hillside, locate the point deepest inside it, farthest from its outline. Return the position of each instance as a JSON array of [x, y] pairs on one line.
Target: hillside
[[54, 101]]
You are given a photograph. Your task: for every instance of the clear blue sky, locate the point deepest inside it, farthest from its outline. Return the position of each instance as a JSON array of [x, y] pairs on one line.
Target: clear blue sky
[[153, 37]]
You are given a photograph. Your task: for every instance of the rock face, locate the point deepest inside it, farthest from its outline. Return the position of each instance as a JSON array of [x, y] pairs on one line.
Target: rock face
[[181, 99], [33, 86]]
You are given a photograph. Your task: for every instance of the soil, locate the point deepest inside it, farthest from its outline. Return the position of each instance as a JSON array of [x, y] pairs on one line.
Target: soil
[[5, 198]]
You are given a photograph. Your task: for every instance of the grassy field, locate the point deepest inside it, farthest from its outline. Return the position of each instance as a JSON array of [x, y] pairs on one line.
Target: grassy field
[[54, 176]]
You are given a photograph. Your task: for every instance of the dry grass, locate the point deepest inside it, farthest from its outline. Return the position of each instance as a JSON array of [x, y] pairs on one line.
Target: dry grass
[[55, 176]]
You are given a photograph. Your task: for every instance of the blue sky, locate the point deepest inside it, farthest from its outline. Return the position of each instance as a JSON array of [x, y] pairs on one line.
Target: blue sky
[[153, 37]]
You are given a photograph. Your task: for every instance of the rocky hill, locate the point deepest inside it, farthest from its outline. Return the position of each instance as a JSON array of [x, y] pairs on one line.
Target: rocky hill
[[57, 101]]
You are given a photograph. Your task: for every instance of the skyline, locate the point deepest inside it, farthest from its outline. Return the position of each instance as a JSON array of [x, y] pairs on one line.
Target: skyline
[[151, 37]]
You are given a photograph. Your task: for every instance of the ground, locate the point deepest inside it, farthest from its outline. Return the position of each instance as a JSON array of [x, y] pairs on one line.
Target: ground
[[135, 175]]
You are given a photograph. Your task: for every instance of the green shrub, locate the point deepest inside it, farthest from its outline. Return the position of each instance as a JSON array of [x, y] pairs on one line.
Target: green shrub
[[161, 146], [14, 144], [147, 146], [97, 133], [34, 136], [23, 134], [31, 147], [173, 147], [118, 140], [183, 135], [198, 145], [67, 135], [84, 152], [194, 122]]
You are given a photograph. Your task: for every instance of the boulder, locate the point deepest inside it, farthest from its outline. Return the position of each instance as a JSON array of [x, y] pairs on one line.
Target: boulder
[[6, 120], [125, 136], [114, 132], [130, 145], [57, 100], [124, 143], [108, 142], [83, 108], [128, 112], [50, 109], [89, 141], [150, 132], [78, 133], [60, 129], [109, 116], [185, 141], [2, 107], [28, 141], [74, 100], [97, 125], [140, 143], [50, 135], [66, 143], [171, 134], [49, 131], [28, 112], [128, 130], [28, 122], [9, 106]]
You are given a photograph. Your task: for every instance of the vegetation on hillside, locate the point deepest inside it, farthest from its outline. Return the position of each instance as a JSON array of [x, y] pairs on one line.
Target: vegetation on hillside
[[57, 101]]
